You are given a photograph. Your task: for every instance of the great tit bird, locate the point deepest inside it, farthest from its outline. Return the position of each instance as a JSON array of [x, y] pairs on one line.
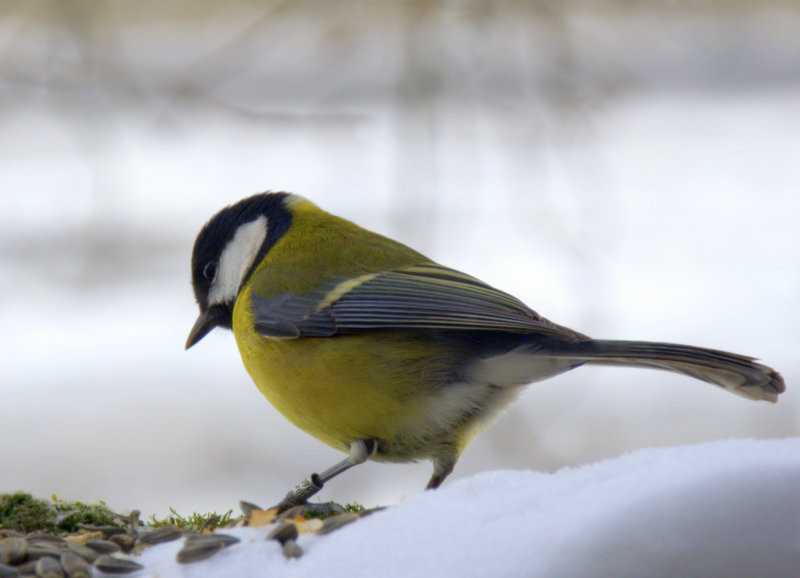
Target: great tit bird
[[380, 352]]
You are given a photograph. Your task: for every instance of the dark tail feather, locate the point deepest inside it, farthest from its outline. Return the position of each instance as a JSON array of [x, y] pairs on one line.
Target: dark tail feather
[[738, 374]]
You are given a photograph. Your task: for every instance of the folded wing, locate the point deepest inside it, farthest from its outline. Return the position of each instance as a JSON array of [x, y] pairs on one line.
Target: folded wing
[[421, 297]]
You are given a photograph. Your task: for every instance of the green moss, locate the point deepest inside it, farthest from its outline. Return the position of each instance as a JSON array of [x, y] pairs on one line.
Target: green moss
[[193, 522], [23, 513], [71, 515], [354, 507]]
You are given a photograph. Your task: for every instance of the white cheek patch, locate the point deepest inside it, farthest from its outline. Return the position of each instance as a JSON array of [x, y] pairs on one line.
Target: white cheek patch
[[236, 259]]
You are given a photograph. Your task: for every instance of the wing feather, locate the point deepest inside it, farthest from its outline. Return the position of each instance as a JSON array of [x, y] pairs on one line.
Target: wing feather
[[420, 297]]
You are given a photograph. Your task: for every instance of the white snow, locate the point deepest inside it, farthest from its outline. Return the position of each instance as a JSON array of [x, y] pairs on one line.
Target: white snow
[[725, 508]]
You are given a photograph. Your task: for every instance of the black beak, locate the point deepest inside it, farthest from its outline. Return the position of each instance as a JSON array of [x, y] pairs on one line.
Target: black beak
[[206, 321]]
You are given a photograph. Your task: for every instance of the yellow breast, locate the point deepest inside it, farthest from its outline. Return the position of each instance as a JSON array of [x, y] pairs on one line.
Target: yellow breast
[[338, 389]]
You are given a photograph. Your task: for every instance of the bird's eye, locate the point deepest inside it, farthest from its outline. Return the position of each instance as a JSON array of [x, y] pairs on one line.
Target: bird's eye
[[209, 271]]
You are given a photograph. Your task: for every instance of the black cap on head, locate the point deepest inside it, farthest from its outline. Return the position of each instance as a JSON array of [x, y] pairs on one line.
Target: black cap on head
[[212, 241]]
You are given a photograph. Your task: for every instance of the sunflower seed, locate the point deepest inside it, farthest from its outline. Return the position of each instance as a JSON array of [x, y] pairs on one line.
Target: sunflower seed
[[335, 522], [13, 550], [50, 539], [292, 513], [38, 551], [28, 568], [133, 523], [159, 535], [200, 547], [283, 532], [84, 552], [248, 508], [291, 549], [83, 537], [107, 531], [123, 541], [103, 546], [196, 552], [112, 565], [75, 566], [224, 539], [8, 572], [210, 523], [323, 509], [48, 567]]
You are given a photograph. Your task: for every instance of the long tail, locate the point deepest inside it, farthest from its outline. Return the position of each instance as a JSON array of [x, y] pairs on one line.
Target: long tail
[[738, 374]]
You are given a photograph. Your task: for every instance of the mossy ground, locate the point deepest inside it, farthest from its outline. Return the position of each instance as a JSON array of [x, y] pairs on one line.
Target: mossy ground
[[22, 512], [193, 522]]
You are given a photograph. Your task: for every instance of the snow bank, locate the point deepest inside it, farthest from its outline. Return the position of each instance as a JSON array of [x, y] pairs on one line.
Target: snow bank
[[727, 508]]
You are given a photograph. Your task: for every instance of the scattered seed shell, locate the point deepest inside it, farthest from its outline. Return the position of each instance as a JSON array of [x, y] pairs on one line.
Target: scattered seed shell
[[84, 552], [47, 539], [83, 537], [133, 523], [249, 507], [335, 522], [323, 509], [39, 551], [113, 565], [48, 567], [75, 566], [200, 547], [258, 518], [284, 532], [13, 550], [28, 568], [159, 535], [107, 531], [196, 552], [293, 512], [103, 546], [224, 539], [123, 541], [212, 522], [308, 526], [291, 549]]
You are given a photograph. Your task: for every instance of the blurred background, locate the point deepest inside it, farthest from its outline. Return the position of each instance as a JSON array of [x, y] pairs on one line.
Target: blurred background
[[628, 169]]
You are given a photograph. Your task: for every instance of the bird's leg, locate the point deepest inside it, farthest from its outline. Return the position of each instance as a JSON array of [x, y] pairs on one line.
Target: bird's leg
[[442, 466], [360, 450]]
